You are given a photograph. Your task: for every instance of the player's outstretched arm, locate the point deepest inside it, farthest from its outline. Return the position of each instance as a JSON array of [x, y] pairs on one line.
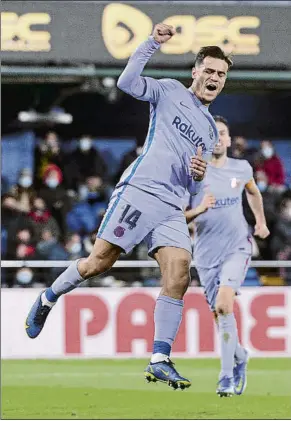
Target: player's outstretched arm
[[255, 201], [131, 81], [208, 201]]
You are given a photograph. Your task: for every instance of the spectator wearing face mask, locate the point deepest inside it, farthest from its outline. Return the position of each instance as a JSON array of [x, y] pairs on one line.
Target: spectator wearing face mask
[[55, 196], [23, 191], [241, 150], [272, 165], [24, 277], [42, 219], [46, 153], [47, 242], [126, 161], [270, 200], [86, 215], [71, 250], [85, 161]]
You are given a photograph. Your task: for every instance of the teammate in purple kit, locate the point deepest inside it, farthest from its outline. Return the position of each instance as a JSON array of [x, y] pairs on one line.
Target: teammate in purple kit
[[147, 201], [222, 249]]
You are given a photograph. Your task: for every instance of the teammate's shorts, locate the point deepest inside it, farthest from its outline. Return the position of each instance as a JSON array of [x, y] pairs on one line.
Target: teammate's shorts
[[231, 272], [134, 215]]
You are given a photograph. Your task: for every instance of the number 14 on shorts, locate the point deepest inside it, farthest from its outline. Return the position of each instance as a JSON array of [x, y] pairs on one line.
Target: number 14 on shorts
[[130, 217]]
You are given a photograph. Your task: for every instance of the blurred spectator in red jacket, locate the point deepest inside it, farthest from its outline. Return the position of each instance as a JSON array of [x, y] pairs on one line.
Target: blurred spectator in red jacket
[[41, 219], [55, 196], [271, 164], [23, 246], [46, 153]]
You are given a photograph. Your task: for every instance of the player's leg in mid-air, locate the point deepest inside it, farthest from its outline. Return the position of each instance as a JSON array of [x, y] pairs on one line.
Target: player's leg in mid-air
[[101, 259], [125, 225], [221, 284], [169, 244]]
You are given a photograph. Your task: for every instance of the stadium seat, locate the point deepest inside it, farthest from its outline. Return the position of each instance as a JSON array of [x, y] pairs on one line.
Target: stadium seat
[[272, 281], [3, 242], [19, 149], [251, 279]]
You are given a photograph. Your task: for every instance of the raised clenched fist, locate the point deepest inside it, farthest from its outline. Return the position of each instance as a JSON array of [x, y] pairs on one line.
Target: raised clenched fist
[[162, 33]]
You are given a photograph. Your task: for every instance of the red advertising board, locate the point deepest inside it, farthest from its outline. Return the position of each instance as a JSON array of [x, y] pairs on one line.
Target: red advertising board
[[119, 323]]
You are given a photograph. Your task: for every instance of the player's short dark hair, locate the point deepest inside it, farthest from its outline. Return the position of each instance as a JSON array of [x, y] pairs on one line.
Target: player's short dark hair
[[212, 51], [220, 119]]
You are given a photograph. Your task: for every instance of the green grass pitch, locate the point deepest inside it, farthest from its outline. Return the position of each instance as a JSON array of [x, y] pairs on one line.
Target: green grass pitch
[[115, 389]]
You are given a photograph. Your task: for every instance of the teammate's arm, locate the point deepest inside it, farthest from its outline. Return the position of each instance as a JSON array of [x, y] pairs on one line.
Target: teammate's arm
[[131, 81], [208, 201], [255, 201]]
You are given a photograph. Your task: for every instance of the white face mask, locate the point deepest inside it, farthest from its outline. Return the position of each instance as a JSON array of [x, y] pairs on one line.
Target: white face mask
[[24, 277], [76, 248], [85, 144], [83, 192], [52, 183], [139, 150], [262, 186], [268, 152], [25, 181], [287, 213]]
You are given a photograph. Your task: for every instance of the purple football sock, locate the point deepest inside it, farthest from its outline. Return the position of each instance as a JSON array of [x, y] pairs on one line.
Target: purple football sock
[[168, 316]]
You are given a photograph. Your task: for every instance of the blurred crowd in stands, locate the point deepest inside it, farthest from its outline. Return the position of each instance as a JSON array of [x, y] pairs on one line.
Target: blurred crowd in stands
[[54, 212]]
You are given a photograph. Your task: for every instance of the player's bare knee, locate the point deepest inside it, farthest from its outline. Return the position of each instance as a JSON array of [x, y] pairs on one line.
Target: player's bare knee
[[101, 259], [224, 300], [176, 278], [224, 305], [176, 287], [91, 266]]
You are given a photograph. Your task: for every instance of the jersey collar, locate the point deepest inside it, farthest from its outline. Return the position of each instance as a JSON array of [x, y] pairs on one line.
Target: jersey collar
[[197, 101]]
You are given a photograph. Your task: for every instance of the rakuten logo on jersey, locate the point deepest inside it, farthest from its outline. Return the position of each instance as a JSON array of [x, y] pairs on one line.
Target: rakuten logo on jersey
[[226, 202], [187, 132]]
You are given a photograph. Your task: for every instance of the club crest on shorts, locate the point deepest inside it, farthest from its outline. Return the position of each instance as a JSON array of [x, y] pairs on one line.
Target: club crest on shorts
[[119, 231], [234, 182]]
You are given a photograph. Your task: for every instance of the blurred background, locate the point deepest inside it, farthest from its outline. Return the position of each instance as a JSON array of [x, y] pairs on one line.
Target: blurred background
[[68, 132]]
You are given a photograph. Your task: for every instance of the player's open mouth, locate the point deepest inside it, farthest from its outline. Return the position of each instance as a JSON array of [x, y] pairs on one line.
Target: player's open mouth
[[211, 87]]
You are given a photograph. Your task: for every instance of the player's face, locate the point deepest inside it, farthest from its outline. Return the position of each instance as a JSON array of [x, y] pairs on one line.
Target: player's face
[[224, 139], [209, 79]]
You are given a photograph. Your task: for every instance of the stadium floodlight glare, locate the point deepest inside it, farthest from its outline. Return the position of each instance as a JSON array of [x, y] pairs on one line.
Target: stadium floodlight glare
[[27, 116], [58, 115], [108, 82], [55, 115]]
